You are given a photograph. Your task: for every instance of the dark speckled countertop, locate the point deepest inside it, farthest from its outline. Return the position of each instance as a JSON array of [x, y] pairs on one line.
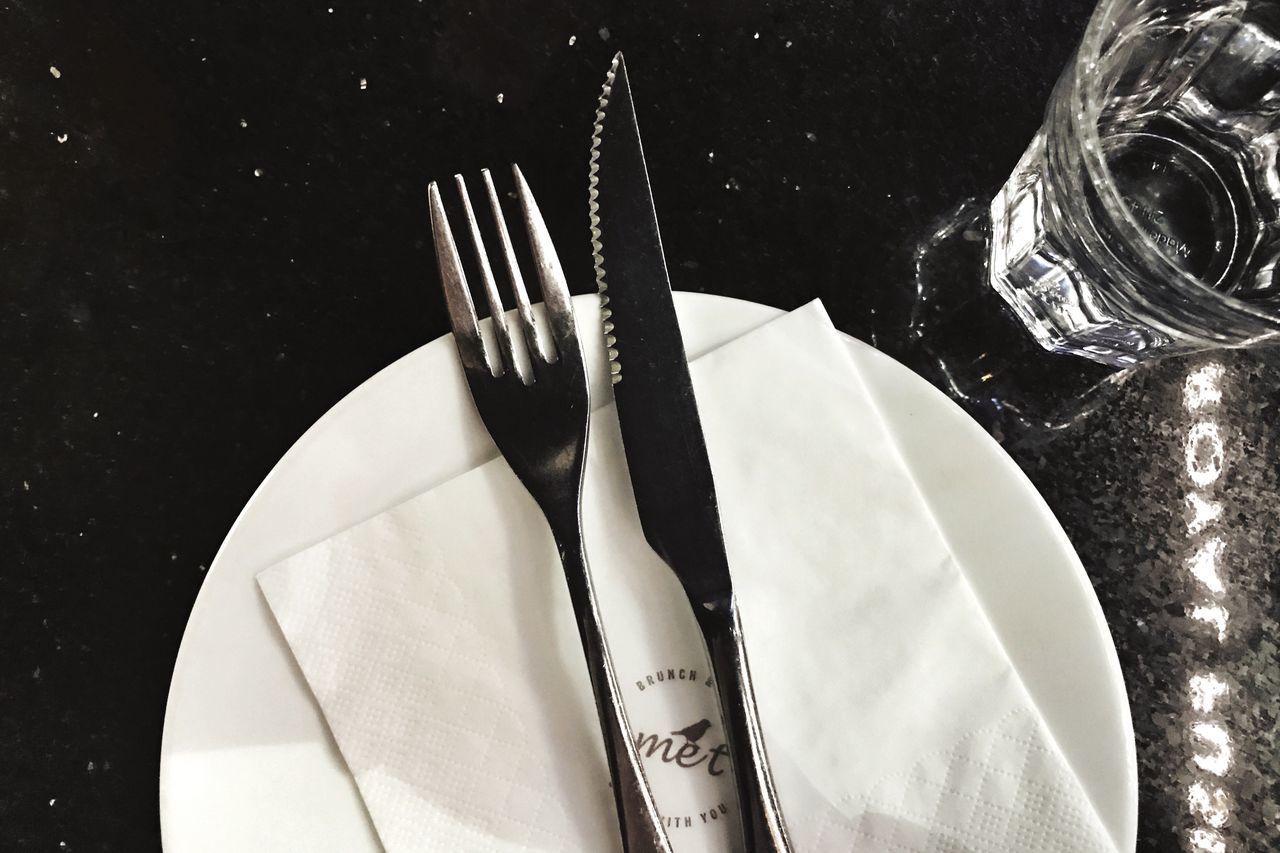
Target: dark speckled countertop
[[213, 225]]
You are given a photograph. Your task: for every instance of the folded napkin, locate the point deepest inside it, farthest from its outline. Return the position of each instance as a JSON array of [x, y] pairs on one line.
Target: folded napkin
[[440, 643]]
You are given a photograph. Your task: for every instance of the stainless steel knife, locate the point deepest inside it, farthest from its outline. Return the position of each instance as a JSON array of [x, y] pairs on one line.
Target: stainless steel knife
[[662, 435]]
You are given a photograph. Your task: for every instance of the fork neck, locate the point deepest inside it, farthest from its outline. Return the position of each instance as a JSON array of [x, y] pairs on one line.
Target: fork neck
[[564, 517]]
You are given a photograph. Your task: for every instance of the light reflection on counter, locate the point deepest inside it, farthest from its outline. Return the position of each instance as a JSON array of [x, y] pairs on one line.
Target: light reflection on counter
[[1205, 691], [1203, 513], [1206, 458], [1216, 755], [1203, 564], [1214, 615], [1213, 806]]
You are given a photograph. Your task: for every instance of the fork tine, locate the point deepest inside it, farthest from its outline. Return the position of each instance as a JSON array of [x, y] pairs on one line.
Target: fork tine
[[555, 290], [513, 268], [457, 296], [496, 312]]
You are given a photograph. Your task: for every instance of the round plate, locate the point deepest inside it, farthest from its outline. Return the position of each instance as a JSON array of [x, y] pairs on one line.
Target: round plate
[[247, 763]]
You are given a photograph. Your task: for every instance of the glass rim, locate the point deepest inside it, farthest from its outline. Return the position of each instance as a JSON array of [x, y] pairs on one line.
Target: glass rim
[[1086, 101]]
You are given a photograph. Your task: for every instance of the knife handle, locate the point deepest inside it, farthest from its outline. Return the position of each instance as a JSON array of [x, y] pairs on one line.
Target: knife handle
[[763, 829], [638, 818]]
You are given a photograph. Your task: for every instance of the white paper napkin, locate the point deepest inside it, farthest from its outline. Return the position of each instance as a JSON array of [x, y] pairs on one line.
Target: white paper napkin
[[439, 641]]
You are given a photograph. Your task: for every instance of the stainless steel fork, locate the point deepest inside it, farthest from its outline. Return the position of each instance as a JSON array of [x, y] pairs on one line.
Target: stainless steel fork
[[538, 418]]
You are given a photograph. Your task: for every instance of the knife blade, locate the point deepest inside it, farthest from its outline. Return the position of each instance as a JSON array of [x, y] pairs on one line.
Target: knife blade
[[662, 435]]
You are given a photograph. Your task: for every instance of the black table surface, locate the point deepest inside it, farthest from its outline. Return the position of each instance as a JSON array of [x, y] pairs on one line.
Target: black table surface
[[213, 226]]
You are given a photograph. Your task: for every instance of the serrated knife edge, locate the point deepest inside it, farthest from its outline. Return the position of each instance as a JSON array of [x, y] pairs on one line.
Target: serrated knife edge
[[593, 206]]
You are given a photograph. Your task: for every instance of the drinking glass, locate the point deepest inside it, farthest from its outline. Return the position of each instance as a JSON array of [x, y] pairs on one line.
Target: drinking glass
[[1144, 218], [1142, 221]]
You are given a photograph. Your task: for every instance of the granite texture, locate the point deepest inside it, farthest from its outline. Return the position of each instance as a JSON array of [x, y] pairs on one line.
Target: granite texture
[[213, 226], [1122, 484]]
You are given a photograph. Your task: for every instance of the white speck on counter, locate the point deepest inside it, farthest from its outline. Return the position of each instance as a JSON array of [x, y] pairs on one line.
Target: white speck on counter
[[90, 767], [364, 83], [330, 10], [36, 674], [62, 137], [603, 32], [756, 36], [95, 415], [26, 487], [572, 39], [53, 69], [811, 136], [257, 173], [711, 156], [244, 123], [52, 801], [788, 44], [173, 558], [499, 97]]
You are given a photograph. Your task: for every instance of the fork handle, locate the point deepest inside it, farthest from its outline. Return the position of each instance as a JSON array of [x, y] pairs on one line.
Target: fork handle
[[763, 828], [638, 819]]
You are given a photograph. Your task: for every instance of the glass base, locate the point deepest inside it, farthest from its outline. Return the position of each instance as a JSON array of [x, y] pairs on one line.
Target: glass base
[[966, 338], [1056, 300]]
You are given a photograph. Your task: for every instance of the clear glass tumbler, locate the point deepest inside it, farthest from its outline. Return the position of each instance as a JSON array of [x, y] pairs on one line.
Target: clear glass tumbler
[[1144, 218]]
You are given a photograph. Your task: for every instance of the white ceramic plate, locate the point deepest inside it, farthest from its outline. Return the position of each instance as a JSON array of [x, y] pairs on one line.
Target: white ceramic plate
[[247, 763]]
